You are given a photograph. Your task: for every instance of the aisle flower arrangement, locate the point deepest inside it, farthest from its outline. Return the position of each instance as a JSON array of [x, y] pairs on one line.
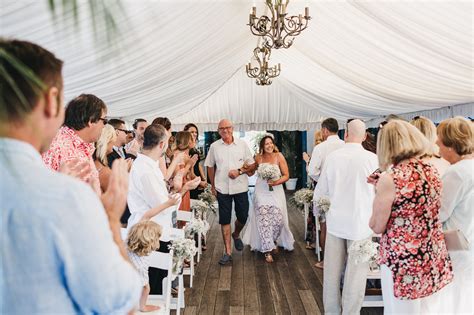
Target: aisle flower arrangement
[[365, 251], [304, 195], [207, 197], [182, 249], [196, 226], [200, 208], [323, 204]]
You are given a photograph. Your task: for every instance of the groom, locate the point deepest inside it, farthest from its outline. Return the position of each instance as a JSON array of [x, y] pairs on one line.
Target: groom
[[228, 162]]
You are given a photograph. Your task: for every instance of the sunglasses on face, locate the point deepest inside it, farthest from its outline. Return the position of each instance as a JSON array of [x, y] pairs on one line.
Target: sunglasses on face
[[124, 130], [104, 120]]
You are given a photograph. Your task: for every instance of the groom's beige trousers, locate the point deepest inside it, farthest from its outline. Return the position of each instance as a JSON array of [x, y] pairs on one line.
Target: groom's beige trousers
[[355, 277]]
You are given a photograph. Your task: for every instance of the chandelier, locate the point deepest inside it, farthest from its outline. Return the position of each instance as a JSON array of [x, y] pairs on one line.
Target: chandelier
[[262, 73], [279, 30]]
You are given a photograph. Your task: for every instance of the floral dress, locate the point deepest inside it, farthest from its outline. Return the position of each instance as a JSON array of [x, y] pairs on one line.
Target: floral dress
[[413, 244]]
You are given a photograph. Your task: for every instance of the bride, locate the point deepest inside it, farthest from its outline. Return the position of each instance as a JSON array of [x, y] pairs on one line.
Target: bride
[[267, 226]]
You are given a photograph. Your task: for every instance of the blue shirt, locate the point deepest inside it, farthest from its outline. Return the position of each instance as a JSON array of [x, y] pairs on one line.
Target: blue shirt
[[57, 251]]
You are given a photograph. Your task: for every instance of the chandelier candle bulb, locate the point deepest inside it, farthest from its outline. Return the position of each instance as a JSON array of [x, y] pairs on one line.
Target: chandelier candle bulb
[[306, 12], [254, 11]]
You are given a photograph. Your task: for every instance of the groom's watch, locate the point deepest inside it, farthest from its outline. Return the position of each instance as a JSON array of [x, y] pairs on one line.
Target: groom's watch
[[240, 171]]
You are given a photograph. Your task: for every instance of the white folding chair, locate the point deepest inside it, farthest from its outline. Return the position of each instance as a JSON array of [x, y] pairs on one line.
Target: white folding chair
[[164, 261]]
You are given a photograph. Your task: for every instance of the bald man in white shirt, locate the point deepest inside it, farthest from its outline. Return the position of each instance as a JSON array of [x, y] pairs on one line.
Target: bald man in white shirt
[[344, 180]]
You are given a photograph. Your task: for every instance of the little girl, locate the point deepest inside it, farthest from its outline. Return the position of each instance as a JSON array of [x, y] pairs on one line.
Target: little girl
[[143, 238]]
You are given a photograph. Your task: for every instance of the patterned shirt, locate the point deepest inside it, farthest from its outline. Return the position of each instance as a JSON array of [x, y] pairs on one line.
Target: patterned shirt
[[413, 245], [67, 145]]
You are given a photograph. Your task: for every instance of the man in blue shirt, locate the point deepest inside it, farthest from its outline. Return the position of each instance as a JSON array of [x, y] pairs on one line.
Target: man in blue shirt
[[61, 251]]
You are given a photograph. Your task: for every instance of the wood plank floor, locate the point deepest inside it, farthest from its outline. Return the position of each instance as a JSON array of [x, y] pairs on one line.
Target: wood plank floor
[[291, 285]]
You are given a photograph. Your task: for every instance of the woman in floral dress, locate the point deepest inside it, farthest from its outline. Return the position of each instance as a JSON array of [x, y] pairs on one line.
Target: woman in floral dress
[[414, 260], [267, 226]]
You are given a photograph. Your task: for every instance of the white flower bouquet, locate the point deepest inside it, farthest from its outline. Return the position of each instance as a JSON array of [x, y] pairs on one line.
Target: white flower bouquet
[[304, 195], [196, 226], [268, 172], [365, 251], [182, 249]]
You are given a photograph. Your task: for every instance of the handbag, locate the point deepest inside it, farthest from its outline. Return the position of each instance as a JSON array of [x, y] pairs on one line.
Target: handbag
[[456, 241]]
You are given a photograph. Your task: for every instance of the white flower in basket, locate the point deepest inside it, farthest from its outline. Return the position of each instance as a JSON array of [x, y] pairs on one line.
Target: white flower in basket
[[365, 251], [182, 249], [268, 172], [196, 226], [304, 195]]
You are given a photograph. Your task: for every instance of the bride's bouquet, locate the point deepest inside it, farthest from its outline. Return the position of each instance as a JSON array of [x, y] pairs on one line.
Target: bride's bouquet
[[182, 249], [365, 251], [268, 172]]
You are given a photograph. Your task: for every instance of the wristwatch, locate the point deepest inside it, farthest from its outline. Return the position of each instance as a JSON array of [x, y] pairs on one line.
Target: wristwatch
[[240, 171]]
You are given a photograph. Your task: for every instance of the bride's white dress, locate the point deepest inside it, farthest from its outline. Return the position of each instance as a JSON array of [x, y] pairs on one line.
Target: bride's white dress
[[268, 219]]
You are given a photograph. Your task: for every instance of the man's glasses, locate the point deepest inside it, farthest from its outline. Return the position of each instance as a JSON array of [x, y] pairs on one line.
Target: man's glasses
[[225, 128], [104, 120]]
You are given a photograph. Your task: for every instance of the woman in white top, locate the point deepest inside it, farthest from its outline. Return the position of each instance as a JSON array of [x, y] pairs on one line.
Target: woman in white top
[[268, 219], [455, 141], [428, 129]]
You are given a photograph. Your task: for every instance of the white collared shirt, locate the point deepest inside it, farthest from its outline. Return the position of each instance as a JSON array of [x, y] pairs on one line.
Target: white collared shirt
[[226, 157], [344, 180], [320, 152], [147, 189]]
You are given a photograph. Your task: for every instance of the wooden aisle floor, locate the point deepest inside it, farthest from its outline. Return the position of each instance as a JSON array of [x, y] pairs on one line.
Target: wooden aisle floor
[[291, 285]]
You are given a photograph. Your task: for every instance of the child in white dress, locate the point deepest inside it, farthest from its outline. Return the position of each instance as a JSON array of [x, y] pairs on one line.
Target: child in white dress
[[143, 238]]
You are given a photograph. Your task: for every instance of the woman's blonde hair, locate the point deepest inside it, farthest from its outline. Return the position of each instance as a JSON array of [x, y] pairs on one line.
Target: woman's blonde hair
[[144, 237], [107, 136], [457, 133], [428, 129], [318, 137], [397, 141]]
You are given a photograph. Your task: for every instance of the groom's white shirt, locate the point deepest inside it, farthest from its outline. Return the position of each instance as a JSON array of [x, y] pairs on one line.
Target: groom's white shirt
[[225, 157], [344, 181]]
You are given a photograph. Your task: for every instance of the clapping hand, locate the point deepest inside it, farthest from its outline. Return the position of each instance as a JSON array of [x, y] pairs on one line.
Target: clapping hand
[[192, 184], [115, 197], [174, 199], [81, 170], [76, 168]]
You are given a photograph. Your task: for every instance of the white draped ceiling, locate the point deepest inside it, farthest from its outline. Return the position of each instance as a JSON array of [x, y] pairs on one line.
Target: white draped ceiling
[[186, 60]]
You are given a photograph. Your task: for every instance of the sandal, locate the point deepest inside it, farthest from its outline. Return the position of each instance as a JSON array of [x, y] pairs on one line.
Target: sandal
[[309, 246], [319, 264], [268, 258]]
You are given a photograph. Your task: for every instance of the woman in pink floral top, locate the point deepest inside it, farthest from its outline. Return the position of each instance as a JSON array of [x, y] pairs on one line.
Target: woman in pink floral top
[[413, 255]]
